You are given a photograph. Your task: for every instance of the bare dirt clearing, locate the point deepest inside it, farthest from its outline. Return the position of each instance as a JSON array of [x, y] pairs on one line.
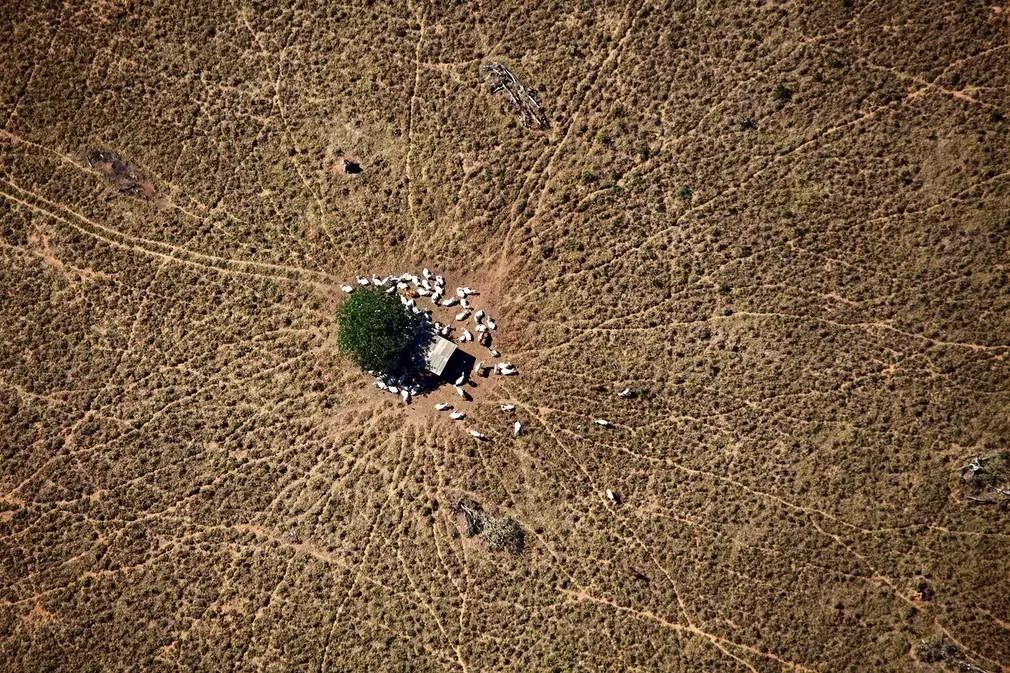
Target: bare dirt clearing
[[786, 223]]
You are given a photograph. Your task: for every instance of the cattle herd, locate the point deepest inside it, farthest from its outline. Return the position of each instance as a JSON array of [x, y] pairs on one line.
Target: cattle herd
[[412, 289]]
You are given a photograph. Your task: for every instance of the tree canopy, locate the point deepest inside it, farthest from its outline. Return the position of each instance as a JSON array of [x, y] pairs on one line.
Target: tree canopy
[[377, 331]]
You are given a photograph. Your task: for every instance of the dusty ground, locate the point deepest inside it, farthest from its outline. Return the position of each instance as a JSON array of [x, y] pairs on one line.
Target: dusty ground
[[787, 222]]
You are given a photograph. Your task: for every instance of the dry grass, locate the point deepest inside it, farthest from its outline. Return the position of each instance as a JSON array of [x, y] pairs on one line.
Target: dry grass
[[809, 290]]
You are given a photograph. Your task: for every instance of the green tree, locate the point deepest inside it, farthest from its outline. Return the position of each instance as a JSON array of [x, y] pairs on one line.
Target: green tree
[[378, 332]]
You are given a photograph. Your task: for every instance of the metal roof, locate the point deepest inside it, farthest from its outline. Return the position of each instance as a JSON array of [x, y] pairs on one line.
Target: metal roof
[[439, 352]]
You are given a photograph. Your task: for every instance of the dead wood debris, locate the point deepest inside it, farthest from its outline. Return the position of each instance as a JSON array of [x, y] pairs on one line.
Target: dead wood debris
[[987, 479], [500, 532], [523, 99], [124, 177], [947, 654]]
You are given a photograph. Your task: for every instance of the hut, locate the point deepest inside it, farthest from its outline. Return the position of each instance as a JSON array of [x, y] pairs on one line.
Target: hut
[[446, 361]]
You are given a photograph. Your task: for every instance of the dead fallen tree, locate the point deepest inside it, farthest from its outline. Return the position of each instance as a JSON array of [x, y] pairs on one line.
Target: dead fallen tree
[[122, 175], [948, 655], [499, 532], [987, 479], [522, 99]]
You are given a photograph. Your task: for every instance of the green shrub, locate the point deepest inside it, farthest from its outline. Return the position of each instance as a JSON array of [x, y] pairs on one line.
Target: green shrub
[[378, 332]]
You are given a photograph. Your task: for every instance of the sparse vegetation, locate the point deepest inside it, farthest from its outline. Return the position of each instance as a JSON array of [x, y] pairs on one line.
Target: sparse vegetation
[[195, 477]]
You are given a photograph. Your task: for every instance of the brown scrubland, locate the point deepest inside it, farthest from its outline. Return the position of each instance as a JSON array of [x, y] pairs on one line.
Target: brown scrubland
[[784, 225]]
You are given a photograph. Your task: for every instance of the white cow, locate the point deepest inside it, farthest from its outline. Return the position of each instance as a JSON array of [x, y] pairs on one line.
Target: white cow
[[517, 428], [442, 406], [457, 415], [346, 289], [507, 407], [477, 435], [462, 315], [602, 422]]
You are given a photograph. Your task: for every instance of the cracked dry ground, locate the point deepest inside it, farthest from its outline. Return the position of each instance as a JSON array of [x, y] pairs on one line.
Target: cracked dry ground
[[812, 289]]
